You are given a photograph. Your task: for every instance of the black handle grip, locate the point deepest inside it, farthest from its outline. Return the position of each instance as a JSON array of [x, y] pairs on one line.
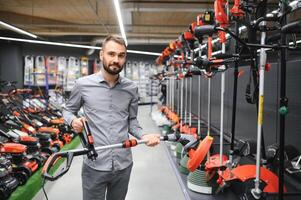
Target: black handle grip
[[200, 31], [52, 160], [202, 63], [88, 142], [225, 56], [187, 140]]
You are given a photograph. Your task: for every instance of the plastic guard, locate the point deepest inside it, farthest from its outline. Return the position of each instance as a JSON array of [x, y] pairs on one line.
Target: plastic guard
[[196, 157]]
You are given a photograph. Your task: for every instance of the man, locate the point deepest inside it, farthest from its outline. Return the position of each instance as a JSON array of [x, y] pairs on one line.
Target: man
[[110, 104], [162, 84]]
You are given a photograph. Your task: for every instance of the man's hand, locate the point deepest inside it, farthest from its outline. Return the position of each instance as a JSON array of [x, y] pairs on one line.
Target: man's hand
[[151, 139], [77, 124]]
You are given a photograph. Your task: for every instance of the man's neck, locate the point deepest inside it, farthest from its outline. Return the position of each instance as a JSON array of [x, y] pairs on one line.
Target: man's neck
[[109, 78]]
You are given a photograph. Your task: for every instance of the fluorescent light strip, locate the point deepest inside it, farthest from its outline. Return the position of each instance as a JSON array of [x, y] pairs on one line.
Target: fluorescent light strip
[[73, 45], [120, 22], [144, 52], [13, 28], [49, 43]]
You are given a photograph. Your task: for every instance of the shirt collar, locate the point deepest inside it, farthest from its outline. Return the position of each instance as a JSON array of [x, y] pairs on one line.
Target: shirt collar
[[101, 78]]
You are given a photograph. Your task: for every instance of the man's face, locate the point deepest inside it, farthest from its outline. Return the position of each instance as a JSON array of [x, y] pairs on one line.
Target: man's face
[[113, 57]]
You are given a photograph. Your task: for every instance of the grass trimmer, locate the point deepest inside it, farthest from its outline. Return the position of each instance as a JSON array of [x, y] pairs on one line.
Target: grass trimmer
[[88, 149], [196, 180]]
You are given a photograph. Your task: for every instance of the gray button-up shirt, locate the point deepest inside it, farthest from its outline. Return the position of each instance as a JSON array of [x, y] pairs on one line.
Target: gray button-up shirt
[[111, 113]]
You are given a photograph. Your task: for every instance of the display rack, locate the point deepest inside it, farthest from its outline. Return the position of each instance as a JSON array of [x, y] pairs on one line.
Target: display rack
[[141, 72]]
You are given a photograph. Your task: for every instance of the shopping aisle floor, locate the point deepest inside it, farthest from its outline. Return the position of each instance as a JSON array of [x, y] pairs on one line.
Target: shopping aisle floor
[[152, 175]]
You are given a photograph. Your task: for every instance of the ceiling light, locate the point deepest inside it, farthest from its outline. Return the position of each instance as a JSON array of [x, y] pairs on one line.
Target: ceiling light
[[144, 52], [72, 45], [120, 22], [49, 43], [13, 28]]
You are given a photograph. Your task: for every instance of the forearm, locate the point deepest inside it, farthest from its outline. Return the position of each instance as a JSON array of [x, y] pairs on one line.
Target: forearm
[[134, 126], [68, 116], [135, 129]]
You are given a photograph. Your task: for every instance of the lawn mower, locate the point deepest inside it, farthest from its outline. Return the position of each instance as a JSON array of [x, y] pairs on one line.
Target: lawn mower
[[23, 167], [8, 183]]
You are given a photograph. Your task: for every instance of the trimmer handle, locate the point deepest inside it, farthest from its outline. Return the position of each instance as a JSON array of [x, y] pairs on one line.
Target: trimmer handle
[[88, 141], [68, 155], [52, 160], [188, 141]]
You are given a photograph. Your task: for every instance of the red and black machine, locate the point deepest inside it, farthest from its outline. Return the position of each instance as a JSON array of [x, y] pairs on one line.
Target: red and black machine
[[188, 141]]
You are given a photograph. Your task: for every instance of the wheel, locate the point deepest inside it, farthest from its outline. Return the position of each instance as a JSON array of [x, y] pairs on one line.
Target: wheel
[[23, 169], [21, 176], [38, 160], [4, 193]]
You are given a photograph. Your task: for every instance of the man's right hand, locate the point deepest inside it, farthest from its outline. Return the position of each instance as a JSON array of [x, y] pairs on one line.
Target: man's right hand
[[77, 124]]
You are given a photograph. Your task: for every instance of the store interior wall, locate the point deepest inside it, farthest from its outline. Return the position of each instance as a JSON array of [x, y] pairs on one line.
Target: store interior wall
[[11, 63], [141, 57], [12, 56]]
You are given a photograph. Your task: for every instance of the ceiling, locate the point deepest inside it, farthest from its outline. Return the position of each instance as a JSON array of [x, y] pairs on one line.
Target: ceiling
[[145, 21], [89, 21]]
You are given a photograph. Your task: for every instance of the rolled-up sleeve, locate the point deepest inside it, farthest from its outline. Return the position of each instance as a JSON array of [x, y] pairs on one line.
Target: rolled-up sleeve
[[73, 104], [134, 127]]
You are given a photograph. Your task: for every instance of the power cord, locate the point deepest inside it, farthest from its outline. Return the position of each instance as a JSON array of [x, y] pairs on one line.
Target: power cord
[[43, 188]]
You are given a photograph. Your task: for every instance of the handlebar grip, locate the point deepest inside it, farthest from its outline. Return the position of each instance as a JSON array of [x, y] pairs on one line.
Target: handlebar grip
[[200, 31], [293, 27], [88, 132], [172, 137], [187, 140], [225, 56], [52, 160], [129, 143]]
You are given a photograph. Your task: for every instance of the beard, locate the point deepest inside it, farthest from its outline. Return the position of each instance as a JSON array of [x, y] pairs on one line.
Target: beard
[[113, 69]]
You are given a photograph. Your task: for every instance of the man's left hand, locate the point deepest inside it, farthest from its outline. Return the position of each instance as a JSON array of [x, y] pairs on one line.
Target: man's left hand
[[151, 139]]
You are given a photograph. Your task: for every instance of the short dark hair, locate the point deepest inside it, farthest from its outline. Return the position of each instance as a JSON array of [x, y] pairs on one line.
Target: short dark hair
[[116, 38]]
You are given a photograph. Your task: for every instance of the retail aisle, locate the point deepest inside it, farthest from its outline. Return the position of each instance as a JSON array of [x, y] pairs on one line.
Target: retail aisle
[[152, 175]]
